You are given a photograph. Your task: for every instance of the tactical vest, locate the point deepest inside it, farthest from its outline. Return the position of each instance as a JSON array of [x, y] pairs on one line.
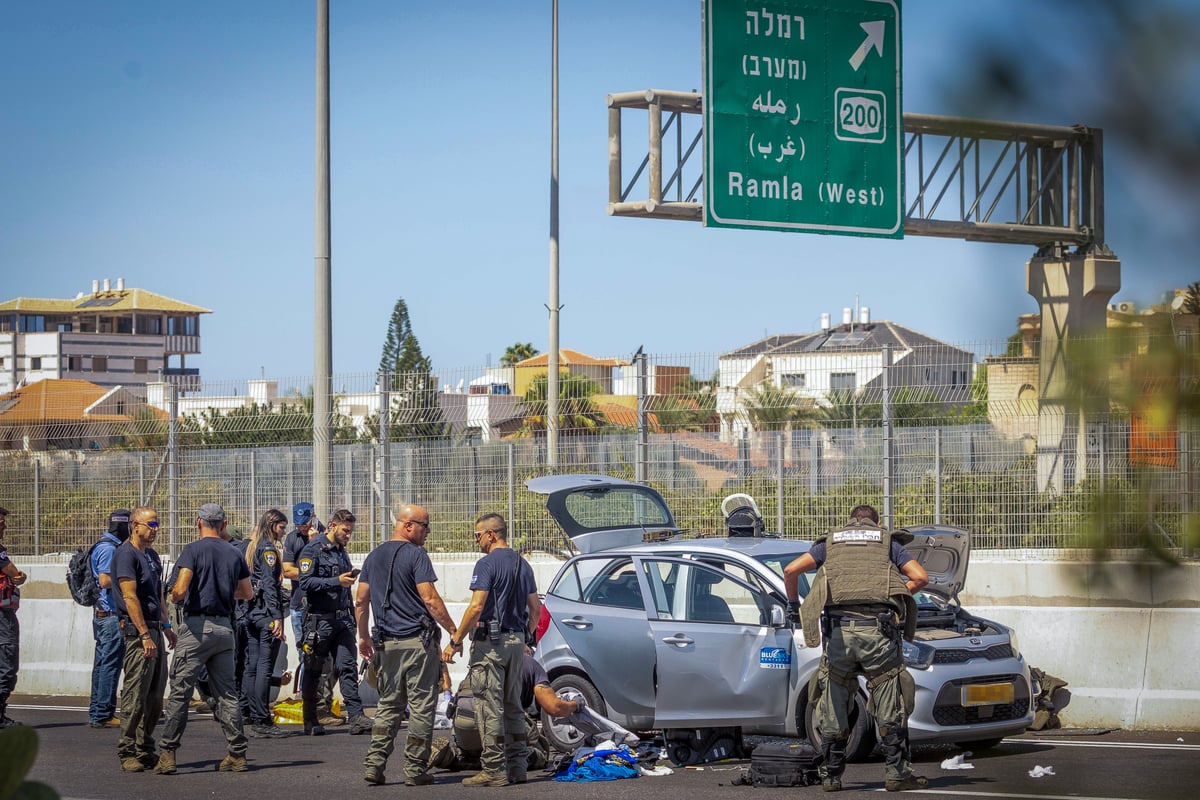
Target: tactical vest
[[859, 568]]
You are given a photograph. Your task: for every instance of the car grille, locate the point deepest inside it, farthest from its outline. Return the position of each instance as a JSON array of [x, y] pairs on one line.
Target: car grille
[[948, 708], [959, 656]]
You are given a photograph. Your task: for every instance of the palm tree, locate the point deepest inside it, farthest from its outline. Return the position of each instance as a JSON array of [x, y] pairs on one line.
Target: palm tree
[[517, 352], [577, 413], [777, 408]]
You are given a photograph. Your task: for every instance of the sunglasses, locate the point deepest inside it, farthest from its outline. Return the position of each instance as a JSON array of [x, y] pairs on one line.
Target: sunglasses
[[153, 524]]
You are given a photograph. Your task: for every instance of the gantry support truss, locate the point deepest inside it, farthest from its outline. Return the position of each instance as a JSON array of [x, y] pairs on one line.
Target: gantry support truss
[[966, 179]]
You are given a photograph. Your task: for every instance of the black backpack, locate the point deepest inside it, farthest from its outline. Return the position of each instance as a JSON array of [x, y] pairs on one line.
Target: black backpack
[[782, 765], [80, 579]]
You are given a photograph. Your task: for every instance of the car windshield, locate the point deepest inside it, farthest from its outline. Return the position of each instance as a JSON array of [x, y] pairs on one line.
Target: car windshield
[[777, 561]]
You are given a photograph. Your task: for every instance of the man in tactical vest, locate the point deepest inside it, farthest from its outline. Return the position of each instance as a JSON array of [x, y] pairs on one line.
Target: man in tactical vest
[[859, 600]]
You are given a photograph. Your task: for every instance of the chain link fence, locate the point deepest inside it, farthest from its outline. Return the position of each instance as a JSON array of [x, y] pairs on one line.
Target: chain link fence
[[925, 432]]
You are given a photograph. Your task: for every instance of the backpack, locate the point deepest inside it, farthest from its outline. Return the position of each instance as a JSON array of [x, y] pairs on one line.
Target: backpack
[[80, 579], [782, 765]]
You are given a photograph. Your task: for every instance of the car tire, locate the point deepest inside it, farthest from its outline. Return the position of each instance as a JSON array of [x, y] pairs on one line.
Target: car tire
[[862, 731], [564, 737]]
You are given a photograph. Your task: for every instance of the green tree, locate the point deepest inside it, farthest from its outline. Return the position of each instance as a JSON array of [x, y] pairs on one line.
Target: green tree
[[1191, 300], [517, 352], [577, 412], [415, 413], [262, 425], [693, 408], [976, 410], [398, 331], [777, 408]]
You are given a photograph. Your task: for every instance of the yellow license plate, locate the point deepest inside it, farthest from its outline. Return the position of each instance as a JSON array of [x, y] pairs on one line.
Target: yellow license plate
[[986, 694]]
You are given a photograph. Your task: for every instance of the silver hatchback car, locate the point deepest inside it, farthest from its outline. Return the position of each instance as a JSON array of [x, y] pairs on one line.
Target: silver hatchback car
[[688, 636]]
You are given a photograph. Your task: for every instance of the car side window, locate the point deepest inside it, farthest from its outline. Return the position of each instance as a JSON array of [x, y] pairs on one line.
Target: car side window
[[698, 593], [600, 581]]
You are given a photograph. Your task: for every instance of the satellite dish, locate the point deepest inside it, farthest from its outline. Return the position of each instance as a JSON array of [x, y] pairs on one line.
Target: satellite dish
[[1178, 302]]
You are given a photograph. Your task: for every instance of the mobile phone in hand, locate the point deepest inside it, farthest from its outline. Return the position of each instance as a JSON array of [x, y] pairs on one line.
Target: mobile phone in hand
[[355, 572]]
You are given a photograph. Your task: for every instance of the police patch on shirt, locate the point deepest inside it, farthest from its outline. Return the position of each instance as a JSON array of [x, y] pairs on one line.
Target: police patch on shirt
[[306, 565], [857, 536], [270, 557]]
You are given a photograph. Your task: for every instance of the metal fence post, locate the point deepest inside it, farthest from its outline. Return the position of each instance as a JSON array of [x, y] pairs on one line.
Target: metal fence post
[[511, 478], [641, 465], [743, 455], [814, 462], [779, 481], [173, 470], [385, 455], [1185, 486], [37, 506], [289, 461], [889, 445], [253, 486], [937, 472]]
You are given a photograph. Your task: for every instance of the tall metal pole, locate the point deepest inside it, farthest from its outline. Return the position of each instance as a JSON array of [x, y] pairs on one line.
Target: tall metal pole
[[173, 532], [889, 444], [552, 356], [322, 290]]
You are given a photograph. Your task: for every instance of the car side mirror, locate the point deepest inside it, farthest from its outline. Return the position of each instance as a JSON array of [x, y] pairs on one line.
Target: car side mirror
[[778, 619]]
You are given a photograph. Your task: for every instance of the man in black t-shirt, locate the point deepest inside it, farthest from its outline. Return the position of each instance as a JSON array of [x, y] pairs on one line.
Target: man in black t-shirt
[[502, 614], [137, 572], [396, 588], [212, 577]]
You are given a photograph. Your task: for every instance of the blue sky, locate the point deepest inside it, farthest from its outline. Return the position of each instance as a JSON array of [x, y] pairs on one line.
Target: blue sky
[[172, 144]]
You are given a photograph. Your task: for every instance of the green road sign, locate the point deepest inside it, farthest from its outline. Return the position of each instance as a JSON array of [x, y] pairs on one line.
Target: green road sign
[[803, 129]]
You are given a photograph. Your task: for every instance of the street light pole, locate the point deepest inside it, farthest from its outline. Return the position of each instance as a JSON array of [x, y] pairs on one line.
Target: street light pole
[[322, 290], [552, 357]]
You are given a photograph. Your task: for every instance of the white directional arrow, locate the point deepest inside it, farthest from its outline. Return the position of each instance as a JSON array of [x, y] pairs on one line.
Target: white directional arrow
[[874, 40]]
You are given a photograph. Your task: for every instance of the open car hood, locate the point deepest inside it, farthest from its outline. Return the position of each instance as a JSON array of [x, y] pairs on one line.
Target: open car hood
[[944, 551], [598, 512]]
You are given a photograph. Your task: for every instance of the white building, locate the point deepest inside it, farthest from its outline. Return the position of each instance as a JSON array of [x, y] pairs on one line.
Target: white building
[[112, 336], [840, 358]]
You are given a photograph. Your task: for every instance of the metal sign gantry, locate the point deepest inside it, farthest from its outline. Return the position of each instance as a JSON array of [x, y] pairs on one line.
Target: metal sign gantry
[[971, 179]]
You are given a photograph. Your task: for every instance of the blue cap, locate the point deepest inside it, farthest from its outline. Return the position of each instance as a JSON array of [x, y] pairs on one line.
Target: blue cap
[[302, 513]]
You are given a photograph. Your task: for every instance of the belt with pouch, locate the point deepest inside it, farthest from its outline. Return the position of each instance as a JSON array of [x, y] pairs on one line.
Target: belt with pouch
[[855, 622], [100, 613], [389, 637], [331, 615]]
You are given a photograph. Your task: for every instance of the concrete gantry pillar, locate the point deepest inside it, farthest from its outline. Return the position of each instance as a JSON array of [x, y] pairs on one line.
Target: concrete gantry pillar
[[1073, 293]]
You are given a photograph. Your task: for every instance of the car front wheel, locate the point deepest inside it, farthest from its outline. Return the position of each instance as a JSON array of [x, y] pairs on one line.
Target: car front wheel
[[563, 736], [862, 731]]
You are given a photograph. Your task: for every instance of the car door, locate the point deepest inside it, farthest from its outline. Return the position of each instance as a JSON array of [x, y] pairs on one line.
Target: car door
[[718, 659], [596, 606]]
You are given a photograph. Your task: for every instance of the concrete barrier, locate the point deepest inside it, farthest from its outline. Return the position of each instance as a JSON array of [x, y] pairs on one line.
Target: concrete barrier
[[1125, 638]]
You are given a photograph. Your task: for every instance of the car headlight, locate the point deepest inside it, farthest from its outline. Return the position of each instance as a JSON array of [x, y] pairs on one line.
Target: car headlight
[[917, 655]]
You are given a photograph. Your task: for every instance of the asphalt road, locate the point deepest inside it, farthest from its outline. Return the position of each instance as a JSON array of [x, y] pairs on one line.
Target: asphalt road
[[80, 762]]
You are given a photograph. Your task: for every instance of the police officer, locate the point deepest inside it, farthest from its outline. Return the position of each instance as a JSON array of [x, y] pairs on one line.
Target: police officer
[[212, 577], [502, 614], [865, 587], [10, 630], [326, 578], [536, 695], [308, 527], [263, 620], [397, 588]]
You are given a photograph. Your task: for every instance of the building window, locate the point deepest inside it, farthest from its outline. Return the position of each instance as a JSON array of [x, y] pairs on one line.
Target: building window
[[124, 324], [8, 323], [35, 362], [842, 382], [149, 325], [1, 362], [87, 324], [33, 323], [796, 380], [181, 326], [99, 363], [139, 366], [74, 363], [64, 327]]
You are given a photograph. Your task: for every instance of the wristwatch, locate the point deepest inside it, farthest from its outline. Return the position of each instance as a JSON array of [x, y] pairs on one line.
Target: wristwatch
[[455, 644]]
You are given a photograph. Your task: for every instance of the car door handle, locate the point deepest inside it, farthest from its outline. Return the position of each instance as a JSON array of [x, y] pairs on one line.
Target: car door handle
[[679, 640], [579, 623]]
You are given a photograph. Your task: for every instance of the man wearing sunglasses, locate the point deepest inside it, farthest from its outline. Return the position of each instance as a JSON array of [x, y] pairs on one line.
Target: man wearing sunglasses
[[137, 570], [503, 611]]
